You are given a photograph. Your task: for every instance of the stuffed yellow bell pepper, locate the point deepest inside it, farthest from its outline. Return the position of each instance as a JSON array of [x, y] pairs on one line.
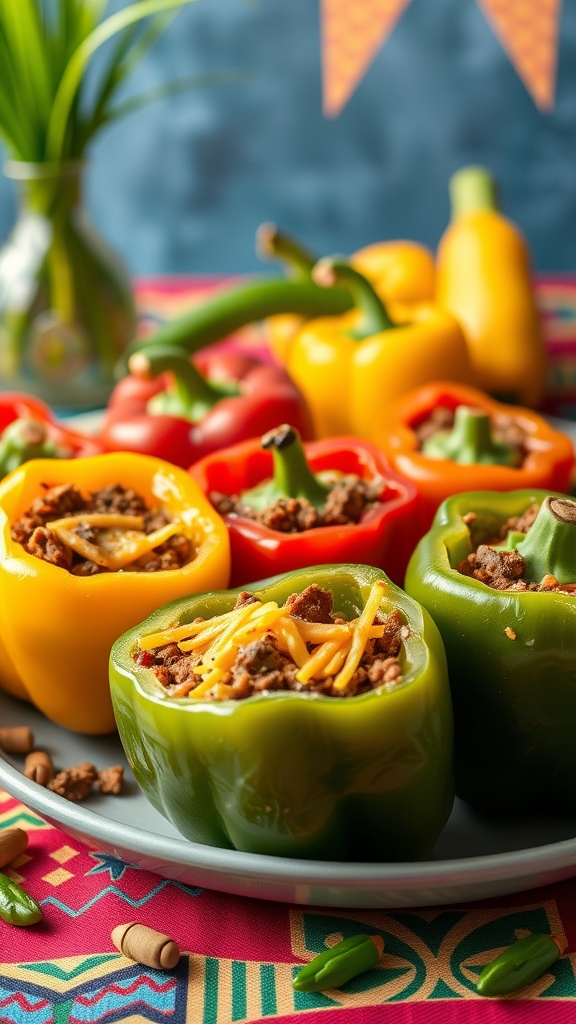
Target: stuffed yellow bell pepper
[[401, 271], [350, 366], [484, 280], [87, 548]]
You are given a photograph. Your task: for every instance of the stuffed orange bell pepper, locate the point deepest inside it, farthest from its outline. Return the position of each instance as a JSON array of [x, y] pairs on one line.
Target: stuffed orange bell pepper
[[484, 280], [87, 547], [447, 438], [401, 271], [351, 366]]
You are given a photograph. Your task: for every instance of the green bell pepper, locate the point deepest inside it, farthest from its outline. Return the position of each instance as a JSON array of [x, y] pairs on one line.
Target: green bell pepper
[[292, 773], [511, 653]]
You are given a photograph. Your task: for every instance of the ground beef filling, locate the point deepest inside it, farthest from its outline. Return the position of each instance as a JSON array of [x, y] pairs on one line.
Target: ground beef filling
[[65, 500], [346, 502], [261, 667], [505, 429], [505, 570]]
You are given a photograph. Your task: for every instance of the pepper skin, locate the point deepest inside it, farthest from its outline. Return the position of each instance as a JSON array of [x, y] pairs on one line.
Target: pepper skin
[[511, 661], [291, 773], [547, 463], [401, 271], [28, 430], [56, 629], [350, 367], [168, 408], [339, 964], [484, 280], [384, 537], [16, 906], [520, 965]]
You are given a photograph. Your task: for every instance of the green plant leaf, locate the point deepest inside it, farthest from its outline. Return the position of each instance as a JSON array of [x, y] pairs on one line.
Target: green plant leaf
[[129, 51], [72, 76], [171, 89]]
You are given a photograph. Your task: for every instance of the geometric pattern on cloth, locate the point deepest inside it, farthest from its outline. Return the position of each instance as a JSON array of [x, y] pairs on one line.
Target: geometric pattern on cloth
[[428, 957], [107, 988], [436, 955]]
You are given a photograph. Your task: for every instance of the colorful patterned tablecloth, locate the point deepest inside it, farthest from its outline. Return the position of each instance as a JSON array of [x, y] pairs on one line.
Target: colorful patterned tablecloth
[[240, 955]]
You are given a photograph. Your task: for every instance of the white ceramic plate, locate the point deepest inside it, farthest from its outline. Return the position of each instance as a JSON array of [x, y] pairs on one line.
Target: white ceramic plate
[[473, 859]]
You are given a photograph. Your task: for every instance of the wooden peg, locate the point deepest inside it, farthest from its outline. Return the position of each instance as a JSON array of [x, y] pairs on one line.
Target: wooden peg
[[146, 946], [13, 842], [16, 739]]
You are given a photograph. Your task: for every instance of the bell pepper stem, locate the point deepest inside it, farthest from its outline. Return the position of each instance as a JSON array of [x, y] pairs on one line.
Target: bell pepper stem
[[335, 271], [274, 244], [189, 394], [24, 439], [470, 441], [472, 189], [549, 547], [292, 478]]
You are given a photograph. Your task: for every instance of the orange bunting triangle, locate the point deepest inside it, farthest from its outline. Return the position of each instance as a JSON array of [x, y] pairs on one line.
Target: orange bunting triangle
[[352, 33], [528, 31]]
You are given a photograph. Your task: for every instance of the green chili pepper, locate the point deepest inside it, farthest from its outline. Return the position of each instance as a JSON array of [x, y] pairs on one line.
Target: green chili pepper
[[238, 305], [292, 478], [337, 965], [519, 965], [470, 442], [16, 906]]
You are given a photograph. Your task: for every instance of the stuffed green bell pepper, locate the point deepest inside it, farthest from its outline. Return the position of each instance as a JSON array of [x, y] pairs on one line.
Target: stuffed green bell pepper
[[497, 572], [307, 717]]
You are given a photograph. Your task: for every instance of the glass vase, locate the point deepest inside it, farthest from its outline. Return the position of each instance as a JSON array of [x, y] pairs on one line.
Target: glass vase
[[66, 302]]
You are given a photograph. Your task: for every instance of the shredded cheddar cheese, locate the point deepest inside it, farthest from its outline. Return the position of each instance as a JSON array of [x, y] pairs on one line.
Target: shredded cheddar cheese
[[320, 651], [121, 539], [361, 634]]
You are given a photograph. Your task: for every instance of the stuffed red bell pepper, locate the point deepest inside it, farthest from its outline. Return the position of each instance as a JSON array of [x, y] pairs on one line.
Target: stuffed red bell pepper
[[170, 408], [28, 430], [289, 506]]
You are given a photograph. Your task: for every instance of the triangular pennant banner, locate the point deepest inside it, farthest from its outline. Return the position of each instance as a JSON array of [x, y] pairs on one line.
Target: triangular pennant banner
[[352, 33], [528, 31]]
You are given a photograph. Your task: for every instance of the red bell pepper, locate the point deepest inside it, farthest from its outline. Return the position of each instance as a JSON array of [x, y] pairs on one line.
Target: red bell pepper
[[180, 411], [385, 535], [28, 430]]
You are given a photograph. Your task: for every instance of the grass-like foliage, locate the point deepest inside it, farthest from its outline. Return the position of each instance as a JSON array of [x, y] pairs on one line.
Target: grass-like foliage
[[46, 112]]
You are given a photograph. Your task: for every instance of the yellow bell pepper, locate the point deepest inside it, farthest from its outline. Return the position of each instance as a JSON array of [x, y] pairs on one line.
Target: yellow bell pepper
[[56, 629], [350, 367], [484, 280], [401, 272]]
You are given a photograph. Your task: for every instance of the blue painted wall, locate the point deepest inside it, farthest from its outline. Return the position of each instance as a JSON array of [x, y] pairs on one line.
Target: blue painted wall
[[182, 186]]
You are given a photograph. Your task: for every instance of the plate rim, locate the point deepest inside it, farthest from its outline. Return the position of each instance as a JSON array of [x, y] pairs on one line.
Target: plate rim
[[403, 876]]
